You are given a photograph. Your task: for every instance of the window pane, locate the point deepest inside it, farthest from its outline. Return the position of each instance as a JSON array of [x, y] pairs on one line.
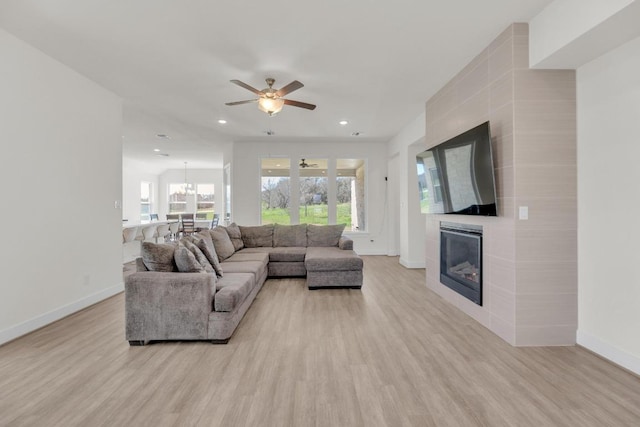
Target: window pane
[[205, 199], [177, 198], [276, 191], [313, 192], [350, 203], [145, 201]]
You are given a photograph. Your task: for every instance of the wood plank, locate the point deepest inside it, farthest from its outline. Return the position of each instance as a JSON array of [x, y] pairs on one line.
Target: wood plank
[[393, 353]]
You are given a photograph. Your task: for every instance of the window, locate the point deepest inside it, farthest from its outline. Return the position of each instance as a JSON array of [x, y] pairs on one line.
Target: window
[[145, 201], [275, 191], [324, 191], [227, 187], [205, 201], [177, 198], [314, 207], [350, 188]]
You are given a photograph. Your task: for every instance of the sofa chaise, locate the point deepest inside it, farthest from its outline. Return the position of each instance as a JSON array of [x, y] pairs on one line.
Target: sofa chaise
[[201, 287]]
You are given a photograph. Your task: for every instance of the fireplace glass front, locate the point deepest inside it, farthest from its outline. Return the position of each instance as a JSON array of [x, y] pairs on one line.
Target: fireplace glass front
[[461, 259]]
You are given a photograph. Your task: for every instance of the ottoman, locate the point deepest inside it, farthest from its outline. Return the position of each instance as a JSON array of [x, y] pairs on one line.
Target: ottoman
[[332, 267]]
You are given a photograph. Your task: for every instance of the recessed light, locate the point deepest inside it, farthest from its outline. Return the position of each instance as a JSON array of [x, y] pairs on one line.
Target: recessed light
[[162, 136], [343, 122], [269, 171], [162, 155], [278, 165], [355, 134], [222, 121], [156, 150]]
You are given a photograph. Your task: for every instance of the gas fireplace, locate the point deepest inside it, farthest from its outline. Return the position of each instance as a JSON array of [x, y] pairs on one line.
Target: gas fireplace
[[461, 259]]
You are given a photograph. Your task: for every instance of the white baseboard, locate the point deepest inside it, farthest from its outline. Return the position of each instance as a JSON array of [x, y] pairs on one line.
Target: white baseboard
[[366, 252], [608, 351], [38, 322], [411, 264]]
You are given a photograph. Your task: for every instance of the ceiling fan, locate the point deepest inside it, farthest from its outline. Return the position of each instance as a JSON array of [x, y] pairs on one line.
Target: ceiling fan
[[271, 100], [304, 164]]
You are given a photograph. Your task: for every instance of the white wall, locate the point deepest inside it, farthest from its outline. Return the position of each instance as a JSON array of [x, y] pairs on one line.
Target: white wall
[[62, 174], [608, 205], [194, 176], [570, 33], [246, 182], [134, 173], [590, 36], [411, 224]]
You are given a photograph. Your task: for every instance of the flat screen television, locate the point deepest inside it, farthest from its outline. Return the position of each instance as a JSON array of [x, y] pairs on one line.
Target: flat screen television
[[456, 176]]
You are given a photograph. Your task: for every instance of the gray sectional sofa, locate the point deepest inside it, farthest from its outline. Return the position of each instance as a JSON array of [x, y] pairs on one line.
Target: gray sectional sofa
[[200, 287]]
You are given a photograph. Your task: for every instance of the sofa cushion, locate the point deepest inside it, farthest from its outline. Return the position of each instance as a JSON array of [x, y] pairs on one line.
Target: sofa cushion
[[222, 243], [257, 268], [256, 250], [158, 256], [289, 235], [249, 256], [287, 254], [186, 260], [324, 235], [235, 235], [205, 244], [200, 256], [345, 243], [232, 290], [331, 259], [257, 236]]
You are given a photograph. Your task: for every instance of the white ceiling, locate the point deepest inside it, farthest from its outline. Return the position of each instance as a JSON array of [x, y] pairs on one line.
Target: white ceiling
[[373, 63]]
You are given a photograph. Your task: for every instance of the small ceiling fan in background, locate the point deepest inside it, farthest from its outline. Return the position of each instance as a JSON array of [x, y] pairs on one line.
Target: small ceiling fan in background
[[305, 165], [271, 100]]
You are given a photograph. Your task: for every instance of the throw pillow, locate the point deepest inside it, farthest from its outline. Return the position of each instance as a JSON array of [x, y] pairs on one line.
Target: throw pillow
[[236, 237], [186, 261], [290, 235], [205, 244], [324, 235], [200, 257], [158, 257], [259, 236], [222, 243]]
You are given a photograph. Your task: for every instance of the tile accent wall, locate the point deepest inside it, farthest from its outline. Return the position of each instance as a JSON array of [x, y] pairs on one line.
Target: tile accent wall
[[530, 266]]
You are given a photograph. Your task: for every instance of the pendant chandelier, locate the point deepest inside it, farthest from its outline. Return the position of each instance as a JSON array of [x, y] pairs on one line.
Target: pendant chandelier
[[187, 188]]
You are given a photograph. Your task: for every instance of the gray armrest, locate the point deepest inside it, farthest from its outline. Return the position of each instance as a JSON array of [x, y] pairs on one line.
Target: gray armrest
[[161, 306], [345, 243]]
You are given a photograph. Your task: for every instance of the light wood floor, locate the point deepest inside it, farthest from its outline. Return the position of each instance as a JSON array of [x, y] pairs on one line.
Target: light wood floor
[[393, 354]]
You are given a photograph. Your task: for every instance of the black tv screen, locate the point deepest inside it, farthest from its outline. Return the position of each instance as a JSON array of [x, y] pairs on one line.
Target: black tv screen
[[456, 176]]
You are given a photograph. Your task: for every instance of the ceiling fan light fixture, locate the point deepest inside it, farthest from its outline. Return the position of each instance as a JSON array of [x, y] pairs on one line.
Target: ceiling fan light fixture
[[270, 105]]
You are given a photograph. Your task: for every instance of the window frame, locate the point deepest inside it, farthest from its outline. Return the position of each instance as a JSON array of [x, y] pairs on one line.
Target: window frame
[[148, 203]]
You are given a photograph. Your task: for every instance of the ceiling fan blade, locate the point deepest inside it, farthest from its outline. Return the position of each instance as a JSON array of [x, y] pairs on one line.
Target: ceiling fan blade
[[249, 101], [299, 104], [294, 85], [246, 86]]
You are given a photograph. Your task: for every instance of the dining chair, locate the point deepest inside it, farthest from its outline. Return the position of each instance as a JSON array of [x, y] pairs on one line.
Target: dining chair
[[215, 220], [164, 231], [153, 217], [188, 224], [174, 229], [149, 232]]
